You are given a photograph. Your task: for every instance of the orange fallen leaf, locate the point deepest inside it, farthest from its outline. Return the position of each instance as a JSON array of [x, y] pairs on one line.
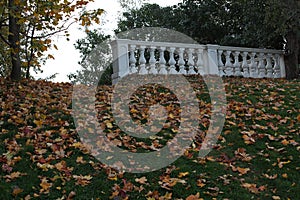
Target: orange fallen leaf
[[17, 191], [45, 185], [285, 142], [71, 195], [200, 183], [183, 174], [194, 197], [243, 170], [284, 175], [251, 187]]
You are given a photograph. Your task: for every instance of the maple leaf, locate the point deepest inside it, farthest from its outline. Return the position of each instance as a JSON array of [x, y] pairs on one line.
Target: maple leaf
[[270, 177], [243, 170], [80, 160], [82, 180], [112, 175], [276, 197], [71, 195], [183, 174], [200, 183], [253, 188], [17, 191], [45, 186], [167, 196], [141, 180], [285, 175], [194, 197], [298, 118], [14, 175]]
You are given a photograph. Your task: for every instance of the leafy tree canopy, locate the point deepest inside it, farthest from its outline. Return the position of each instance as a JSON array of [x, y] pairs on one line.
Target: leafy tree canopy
[[26, 27]]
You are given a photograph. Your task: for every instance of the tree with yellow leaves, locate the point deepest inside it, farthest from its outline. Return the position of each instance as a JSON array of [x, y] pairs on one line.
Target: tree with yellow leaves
[[26, 27]]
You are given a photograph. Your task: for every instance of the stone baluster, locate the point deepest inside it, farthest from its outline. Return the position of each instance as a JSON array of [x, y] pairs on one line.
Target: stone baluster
[[181, 61], [152, 61], [221, 64], [162, 61], [172, 61], [253, 66], [132, 59], [191, 61], [269, 66], [261, 66], [142, 61], [228, 64], [236, 65], [245, 65], [199, 64], [276, 66]]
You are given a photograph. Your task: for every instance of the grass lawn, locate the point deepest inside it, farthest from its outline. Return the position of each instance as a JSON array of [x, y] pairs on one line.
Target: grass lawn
[[257, 155]]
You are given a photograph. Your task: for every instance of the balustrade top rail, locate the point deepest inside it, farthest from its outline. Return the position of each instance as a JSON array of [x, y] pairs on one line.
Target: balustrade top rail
[[197, 46], [158, 44]]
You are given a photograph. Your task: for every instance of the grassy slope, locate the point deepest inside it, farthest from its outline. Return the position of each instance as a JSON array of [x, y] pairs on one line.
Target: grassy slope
[[257, 155]]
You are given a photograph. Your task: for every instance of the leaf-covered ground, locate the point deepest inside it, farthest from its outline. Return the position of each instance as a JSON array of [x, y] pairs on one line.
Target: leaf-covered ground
[[257, 155]]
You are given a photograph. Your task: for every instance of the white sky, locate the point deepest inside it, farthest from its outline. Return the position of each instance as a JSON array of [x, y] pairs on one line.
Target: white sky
[[67, 57]]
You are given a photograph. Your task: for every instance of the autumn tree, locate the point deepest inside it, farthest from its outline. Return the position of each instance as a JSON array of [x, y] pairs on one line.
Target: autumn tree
[[26, 27]]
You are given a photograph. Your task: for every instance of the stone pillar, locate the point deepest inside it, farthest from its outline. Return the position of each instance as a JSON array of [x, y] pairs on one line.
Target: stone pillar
[[120, 59], [282, 66], [211, 61]]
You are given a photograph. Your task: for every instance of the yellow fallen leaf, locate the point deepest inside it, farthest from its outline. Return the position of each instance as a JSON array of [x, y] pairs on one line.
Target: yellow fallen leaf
[[276, 197], [183, 174], [112, 176], [80, 160], [109, 125]]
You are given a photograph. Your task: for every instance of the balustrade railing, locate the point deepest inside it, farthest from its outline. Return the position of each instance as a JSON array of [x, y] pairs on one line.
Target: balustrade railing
[[131, 56]]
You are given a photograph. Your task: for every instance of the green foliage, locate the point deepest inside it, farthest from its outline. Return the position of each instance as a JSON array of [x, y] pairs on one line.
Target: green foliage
[[251, 23], [95, 61]]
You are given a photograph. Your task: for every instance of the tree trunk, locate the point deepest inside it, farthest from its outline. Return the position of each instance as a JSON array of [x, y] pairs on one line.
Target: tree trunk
[[291, 59], [14, 41]]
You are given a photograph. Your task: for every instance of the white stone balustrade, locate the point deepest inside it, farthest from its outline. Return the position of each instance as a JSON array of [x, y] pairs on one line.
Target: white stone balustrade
[[131, 56], [251, 62]]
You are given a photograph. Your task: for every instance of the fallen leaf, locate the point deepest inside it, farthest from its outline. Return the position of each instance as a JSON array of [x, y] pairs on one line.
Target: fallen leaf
[[183, 174], [251, 187], [82, 180], [276, 197], [141, 180], [17, 191], [45, 185], [243, 170], [194, 197]]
